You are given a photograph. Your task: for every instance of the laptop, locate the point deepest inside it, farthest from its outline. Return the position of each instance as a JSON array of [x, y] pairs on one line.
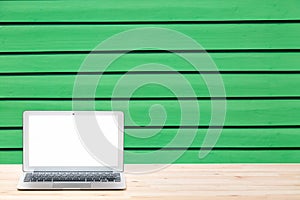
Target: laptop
[[72, 150]]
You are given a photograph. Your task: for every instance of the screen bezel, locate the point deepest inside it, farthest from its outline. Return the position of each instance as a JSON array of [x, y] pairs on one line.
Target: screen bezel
[[119, 167]]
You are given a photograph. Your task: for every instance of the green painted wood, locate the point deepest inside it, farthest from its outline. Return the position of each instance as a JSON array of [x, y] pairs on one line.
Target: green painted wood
[[136, 138], [239, 112], [190, 156], [210, 36], [155, 10], [224, 156], [224, 62], [150, 85], [229, 138], [213, 36], [11, 139], [11, 157]]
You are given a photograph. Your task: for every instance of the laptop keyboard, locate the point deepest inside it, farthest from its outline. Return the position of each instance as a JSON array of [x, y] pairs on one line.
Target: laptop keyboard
[[72, 176]]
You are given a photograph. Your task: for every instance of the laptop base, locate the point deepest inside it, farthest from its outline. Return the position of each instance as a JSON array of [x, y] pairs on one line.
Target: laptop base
[[71, 185]]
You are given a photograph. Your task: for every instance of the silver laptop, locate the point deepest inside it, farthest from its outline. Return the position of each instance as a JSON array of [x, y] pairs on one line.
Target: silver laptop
[[72, 150]]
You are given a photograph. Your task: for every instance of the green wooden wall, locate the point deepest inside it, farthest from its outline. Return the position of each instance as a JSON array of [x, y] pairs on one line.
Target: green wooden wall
[[254, 43]]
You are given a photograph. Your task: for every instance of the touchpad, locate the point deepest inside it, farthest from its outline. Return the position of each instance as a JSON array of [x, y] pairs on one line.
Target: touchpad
[[71, 185]]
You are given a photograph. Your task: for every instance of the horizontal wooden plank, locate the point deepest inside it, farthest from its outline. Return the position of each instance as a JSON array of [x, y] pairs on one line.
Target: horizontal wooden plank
[[210, 36], [150, 85], [11, 139], [184, 113], [134, 10], [189, 156], [227, 156], [224, 61], [156, 138]]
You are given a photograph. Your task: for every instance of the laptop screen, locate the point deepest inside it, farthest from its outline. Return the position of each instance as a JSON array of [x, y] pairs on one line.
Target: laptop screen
[[60, 140]]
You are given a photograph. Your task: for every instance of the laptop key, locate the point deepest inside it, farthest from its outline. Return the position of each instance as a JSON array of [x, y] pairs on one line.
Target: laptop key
[[110, 179], [48, 179], [56, 178], [89, 179], [27, 177], [97, 179]]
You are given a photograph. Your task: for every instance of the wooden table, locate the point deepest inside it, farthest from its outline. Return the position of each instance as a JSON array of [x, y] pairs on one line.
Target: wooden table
[[190, 181]]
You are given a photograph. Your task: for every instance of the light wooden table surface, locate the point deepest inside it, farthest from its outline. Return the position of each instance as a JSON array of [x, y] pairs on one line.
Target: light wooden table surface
[[197, 181]]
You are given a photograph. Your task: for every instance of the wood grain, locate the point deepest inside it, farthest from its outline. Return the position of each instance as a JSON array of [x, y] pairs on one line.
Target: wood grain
[[34, 38], [230, 137], [216, 182], [239, 61], [238, 112], [139, 156], [150, 85], [155, 10]]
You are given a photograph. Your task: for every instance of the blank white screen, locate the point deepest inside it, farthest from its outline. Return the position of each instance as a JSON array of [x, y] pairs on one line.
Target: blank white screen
[[54, 141]]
